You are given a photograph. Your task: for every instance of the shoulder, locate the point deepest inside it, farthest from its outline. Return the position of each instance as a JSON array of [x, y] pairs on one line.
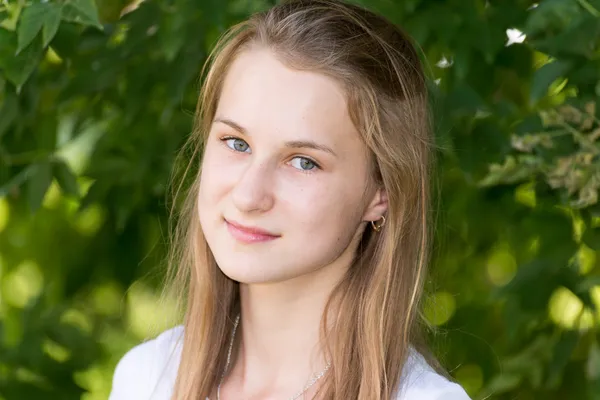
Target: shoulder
[[148, 371], [421, 382]]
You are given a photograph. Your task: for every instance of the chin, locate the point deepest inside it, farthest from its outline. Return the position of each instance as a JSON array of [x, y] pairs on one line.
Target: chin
[[245, 270], [249, 276]]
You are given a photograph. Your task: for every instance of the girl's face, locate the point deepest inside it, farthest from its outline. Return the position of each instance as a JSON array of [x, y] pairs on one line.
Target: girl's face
[[284, 186]]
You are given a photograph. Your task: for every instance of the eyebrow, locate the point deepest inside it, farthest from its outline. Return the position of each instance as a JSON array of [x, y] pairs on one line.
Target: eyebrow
[[295, 144], [231, 124]]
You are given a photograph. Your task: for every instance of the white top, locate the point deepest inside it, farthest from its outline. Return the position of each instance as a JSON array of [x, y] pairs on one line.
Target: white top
[[148, 372]]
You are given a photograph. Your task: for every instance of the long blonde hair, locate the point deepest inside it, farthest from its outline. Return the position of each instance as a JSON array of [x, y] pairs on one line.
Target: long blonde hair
[[377, 302]]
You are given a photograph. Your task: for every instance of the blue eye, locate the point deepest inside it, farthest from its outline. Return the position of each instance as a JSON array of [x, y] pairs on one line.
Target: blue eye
[[237, 145], [304, 164]]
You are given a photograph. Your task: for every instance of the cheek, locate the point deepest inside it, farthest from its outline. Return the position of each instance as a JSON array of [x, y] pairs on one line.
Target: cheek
[[327, 210], [215, 176]]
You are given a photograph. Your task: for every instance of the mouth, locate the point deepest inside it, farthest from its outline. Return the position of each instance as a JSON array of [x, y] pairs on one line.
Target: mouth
[[249, 234]]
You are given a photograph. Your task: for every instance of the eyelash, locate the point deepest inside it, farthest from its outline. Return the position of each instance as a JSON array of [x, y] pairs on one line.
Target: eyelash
[[316, 164]]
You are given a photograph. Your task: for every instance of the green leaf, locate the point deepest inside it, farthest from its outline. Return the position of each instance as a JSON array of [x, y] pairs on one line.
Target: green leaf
[[82, 12], [17, 180], [543, 78], [592, 367], [65, 178], [17, 69], [591, 237], [95, 194], [51, 22], [504, 382], [462, 62], [38, 184], [580, 40], [551, 15], [173, 37], [9, 111], [588, 283], [464, 100], [30, 24], [562, 353]]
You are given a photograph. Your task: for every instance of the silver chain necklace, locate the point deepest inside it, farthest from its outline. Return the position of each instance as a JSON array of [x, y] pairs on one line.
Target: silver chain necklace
[[296, 396]]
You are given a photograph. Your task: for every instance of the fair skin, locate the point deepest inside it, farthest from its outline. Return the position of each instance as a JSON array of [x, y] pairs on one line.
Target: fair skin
[[282, 157]]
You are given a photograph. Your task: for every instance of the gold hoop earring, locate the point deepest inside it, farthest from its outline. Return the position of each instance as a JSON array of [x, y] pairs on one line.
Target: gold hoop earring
[[377, 227]]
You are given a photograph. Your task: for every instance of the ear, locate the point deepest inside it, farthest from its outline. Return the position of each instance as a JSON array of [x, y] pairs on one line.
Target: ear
[[377, 206]]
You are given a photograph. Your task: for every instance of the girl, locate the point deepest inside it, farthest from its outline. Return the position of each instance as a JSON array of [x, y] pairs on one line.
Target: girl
[[303, 241]]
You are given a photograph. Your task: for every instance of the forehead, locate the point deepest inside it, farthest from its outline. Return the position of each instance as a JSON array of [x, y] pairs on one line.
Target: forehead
[[264, 95]]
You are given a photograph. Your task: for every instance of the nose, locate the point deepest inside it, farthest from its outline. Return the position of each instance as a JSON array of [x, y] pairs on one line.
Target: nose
[[253, 192]]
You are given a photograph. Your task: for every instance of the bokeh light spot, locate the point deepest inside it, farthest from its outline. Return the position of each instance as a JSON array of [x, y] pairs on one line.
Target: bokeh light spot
[[4, 213], [107, 298], [52, 197], [77, 319], [501, 267], [96, 380], [470, 377], [89, 221], [595, 294], [22, 284], [439, 308], [567, 310], [148, 314], [56, 351], [525, 194], [586, 259]]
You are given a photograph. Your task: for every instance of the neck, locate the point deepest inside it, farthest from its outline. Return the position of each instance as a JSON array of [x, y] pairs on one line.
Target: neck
[[280, 344]]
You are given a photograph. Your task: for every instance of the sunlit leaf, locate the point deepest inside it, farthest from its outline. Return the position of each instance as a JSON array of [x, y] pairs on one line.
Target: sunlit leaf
[[544, 76]]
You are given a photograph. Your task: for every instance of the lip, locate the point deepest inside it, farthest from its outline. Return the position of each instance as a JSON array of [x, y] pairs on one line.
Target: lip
[[249, 234]]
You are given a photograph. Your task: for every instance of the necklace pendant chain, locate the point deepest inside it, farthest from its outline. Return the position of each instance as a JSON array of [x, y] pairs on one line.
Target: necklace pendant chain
[[295, 397]]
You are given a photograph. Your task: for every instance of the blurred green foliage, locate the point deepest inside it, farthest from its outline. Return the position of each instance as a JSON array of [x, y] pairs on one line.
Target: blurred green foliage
[[96, 99]]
